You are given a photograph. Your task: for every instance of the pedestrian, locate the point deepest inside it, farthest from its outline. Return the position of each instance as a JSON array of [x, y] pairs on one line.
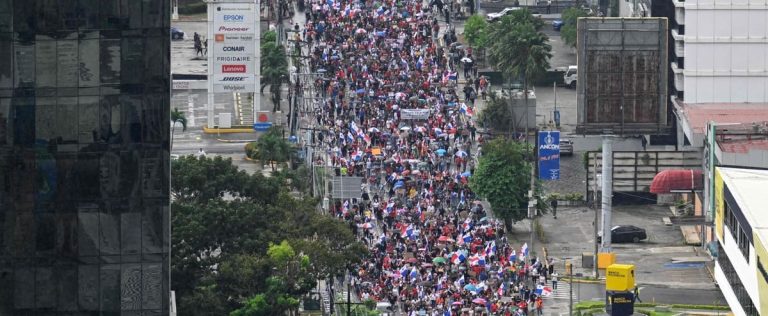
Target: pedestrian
[[554, 280], [539, 306], [553, 203], [637, 294], [643, 142]]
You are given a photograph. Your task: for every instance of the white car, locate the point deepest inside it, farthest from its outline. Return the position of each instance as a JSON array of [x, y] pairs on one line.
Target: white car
[[491, 17]]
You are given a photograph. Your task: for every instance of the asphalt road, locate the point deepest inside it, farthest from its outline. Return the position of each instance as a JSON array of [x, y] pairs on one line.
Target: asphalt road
[[654, 294]]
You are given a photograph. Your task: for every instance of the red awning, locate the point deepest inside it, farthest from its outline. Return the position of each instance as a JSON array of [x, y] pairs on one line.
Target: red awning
[[668, 181]]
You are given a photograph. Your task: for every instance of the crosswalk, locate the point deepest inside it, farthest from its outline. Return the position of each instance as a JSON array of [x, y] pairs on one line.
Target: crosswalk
[[561, 293]]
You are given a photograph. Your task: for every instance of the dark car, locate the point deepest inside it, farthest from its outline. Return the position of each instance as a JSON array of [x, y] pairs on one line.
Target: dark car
[[566, 147], [625, 233], [557, 24], [177, 34]]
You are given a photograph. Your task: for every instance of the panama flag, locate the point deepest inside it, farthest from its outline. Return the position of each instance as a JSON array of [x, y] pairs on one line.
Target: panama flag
[[350, 138], [524, 250], [407, 231], [404, 271], [467, 225], [477, 260], [502, 289], [512, 256], [414, 273], [458, 257], [490, 249], [467, 238], [460, 282]]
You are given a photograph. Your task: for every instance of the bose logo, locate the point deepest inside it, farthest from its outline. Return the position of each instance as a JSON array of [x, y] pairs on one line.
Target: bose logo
[[233, 18], [233, 79], [233, 48], [233, 29]]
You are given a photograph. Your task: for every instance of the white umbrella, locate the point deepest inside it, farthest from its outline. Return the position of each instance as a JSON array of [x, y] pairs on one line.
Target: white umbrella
[[405, 128], [466, 60], [461, 153], [361, 31]]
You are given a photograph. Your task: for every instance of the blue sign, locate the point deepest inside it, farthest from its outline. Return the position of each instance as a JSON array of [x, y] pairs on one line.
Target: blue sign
[[549, 155], [262, 127]]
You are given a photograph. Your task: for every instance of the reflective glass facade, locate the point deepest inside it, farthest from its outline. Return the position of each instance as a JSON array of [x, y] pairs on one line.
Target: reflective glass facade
[[84, 161]]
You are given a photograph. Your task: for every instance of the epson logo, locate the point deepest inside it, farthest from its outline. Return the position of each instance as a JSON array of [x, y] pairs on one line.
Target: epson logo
[[234, 18], [233, 48], [233, 29], [233, 79]]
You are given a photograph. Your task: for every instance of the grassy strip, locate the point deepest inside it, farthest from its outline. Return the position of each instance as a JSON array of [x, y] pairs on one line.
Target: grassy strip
[[588, 305]]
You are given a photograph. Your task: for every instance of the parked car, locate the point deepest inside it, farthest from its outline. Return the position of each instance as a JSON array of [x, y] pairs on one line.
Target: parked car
[[625, 233], [492, 17], [177, 33], [566, 147], [557, 24]]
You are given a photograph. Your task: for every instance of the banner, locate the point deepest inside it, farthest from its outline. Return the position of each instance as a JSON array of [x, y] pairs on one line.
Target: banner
[[414, 114], [549, 155], [233, 51]]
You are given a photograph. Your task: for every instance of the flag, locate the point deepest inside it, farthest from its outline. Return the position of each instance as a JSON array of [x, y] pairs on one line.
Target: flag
[[460, 282], [512, 256], [502, 289], [467, 238], [467, 225], [406, 231], [350, 138], [458, 257], [546, 291], [524, 250], [477, 260], [414, 273], [490, 249]]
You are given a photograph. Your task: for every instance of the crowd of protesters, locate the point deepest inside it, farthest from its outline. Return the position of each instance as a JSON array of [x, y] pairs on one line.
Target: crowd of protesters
[[394, 112]]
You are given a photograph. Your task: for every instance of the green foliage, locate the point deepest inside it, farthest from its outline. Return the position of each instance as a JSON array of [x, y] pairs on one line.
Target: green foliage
[[273, 147], [193, 8], [503, 178], [703, 307], [269, 37], [274, 70], [177, 117], [568, 29], [201, 179], [519, 49], [497, 114], [273, 302], [222, 257], [251, 151], [475, 31]]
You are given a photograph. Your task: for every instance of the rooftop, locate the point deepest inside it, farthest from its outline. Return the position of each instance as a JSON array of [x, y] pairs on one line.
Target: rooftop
[[742, 146], [748, 189], [699, 114]]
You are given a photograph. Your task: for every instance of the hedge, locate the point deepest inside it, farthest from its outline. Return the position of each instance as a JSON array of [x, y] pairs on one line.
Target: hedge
[[193, 8]]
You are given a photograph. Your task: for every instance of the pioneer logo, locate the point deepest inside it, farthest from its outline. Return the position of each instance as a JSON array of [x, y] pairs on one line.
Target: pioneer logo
[[234, 18], [233, 78], [233, 29], [233, 68], [233, 48]]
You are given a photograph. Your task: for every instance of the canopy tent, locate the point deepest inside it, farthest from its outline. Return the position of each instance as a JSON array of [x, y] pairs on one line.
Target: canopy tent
[[670, 181]]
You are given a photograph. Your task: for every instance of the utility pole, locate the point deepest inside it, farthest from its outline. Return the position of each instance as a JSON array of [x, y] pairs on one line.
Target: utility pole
[[594, 206], [570, 289], [607, 191]]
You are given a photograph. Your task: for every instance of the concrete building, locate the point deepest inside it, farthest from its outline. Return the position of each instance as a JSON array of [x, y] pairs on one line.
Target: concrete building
[[742, 236], [84, 161]]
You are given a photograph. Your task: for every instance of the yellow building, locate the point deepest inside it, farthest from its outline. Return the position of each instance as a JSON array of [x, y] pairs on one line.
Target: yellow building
[[741, 226]]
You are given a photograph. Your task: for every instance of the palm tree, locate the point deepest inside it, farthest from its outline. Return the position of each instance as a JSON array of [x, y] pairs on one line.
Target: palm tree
[[520, 50], [274, 70], [177, 117]]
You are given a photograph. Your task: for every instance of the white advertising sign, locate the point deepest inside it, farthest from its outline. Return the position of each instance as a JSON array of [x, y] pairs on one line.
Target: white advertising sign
[[233, 53]]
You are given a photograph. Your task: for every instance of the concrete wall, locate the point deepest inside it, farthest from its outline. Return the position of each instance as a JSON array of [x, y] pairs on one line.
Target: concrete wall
[[726, 51]]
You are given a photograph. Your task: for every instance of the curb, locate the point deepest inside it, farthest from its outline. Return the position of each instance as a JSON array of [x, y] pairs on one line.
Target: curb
[[207, 130], [583, 281], [236, 140]]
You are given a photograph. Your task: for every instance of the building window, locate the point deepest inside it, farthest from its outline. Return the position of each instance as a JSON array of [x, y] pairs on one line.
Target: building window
[[744, 244], [735, 282], [761, 268]]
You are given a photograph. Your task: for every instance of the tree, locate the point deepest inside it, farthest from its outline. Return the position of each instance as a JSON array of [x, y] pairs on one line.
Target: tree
[[273, 147], [496, 115], [177, 117], [475, 31], [274, 71], [568, 29], [520, 49], [503, 178]]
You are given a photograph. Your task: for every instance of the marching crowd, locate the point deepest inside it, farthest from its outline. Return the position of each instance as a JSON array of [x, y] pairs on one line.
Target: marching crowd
[[393, 112]]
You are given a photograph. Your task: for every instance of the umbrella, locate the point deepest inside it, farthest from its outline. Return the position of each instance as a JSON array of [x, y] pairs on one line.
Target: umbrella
[[439, 260], [405, 128], [457, 303], [445, 239], [470, 287], [412, 260], [395, 275], [373, 130], [366, 225], [466, 60], [416, 172], [426, 265], [461, 153], [440, 152], [361, 31], [480, 301], [466, 174], [360, 91], [484, 219], [406, 172], [399, 184]]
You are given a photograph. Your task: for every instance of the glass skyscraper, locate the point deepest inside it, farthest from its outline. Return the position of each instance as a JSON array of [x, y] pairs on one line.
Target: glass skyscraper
[[84, 161]]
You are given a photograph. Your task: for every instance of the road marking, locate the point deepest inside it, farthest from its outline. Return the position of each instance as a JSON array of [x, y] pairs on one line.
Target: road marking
[[190, 110]]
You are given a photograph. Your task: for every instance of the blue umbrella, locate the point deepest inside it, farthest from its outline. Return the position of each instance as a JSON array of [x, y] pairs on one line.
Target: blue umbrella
[[399, 184], [470, 287], [440, 152], [466, 174], [360, 91]]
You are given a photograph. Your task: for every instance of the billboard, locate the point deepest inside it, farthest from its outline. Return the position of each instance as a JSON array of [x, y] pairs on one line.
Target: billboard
[[234, 47], [549, 155], [622, 76]]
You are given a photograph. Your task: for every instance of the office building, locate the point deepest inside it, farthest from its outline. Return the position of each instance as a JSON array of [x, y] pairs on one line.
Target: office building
[[742, 234], [84, 161]]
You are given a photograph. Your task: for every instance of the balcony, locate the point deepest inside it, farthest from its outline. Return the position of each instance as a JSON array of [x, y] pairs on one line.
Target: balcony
[[676, 35], [678, 3], [679, 48], [680, 15], [679, 77]]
